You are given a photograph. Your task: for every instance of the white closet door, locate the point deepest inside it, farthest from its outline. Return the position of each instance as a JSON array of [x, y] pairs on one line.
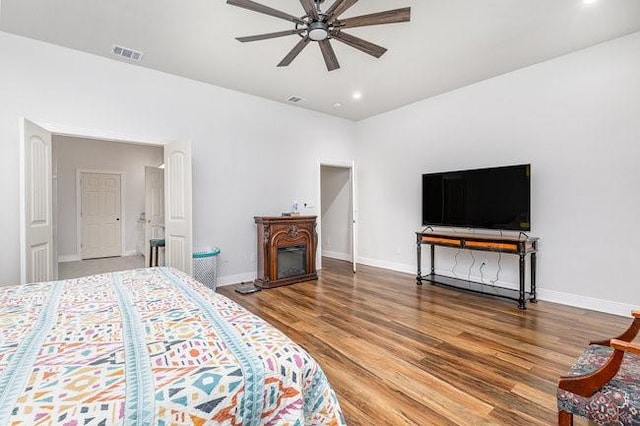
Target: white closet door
[[37, 257], [178, 238]]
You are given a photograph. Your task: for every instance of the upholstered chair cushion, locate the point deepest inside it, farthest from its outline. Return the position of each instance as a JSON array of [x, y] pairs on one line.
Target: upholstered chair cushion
[[617, 402]]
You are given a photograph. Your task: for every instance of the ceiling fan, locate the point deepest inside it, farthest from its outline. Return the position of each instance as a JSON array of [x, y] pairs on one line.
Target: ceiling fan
[[321, 27]]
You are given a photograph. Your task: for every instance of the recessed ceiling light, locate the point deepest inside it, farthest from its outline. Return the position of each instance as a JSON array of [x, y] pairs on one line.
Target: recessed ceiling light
[[356, 95], [588, 2], [337, 105]]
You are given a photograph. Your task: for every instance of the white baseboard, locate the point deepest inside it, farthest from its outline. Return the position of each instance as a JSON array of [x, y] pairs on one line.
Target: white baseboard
[[336, 255], [398, 267], [69, 258], [130, 253], [600, 305], [236, 279], [584, 302]]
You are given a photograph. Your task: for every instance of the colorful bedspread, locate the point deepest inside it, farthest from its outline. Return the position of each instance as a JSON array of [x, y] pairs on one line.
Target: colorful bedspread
[[150, 347]]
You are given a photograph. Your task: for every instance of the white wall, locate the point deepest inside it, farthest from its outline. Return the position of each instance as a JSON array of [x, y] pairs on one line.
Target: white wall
[[336, 212], [248, 154], [79, 153], [576, 119]]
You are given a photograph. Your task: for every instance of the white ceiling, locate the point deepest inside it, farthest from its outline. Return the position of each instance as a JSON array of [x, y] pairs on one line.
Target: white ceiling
[[448, 43]]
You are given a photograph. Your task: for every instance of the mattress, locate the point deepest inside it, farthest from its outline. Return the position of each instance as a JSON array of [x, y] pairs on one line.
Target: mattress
[[150, 347]]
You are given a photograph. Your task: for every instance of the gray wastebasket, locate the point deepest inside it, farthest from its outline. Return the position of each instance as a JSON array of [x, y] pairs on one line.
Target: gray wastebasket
[[205, 267]]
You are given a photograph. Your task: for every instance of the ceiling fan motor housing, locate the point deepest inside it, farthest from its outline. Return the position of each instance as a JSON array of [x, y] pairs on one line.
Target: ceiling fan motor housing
[[318, 31]]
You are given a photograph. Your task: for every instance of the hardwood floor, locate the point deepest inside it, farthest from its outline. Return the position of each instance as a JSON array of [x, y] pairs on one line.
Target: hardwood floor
[[397, 353]]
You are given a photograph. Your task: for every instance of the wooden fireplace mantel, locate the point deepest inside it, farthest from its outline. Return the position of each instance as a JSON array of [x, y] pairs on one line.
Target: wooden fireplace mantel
[[278, 233]]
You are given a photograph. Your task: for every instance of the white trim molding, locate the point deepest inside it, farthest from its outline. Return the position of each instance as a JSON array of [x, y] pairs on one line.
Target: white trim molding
[[236, 279], [600, 305], [336, 255], [398, 267], [23, 195]]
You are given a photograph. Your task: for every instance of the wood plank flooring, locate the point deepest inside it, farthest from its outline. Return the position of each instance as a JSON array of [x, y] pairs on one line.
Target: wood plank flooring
[[401, 354]]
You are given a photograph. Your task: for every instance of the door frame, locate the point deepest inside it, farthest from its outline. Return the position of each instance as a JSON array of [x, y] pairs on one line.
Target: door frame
[[123, 216], [79, 132], [351, 166]]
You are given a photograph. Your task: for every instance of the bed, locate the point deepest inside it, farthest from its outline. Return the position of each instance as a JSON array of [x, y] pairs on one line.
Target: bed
[[150, 346]]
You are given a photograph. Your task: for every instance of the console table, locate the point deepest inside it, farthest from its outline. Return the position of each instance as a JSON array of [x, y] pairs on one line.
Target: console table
[[520, 246]]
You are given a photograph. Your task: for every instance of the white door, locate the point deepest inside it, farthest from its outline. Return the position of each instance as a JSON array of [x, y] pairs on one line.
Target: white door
[[101, 226], [153, 206], [354, 216], [177, 160], [37, 263]]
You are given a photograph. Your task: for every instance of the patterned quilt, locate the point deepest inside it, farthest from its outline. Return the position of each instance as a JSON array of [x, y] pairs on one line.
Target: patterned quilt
[[150, 347]]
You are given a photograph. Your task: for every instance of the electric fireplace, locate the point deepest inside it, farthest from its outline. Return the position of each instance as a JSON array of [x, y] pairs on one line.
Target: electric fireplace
[[286, 250]]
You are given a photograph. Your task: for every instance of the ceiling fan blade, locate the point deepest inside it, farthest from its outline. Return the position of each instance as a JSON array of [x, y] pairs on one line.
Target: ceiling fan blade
[[294, 52], [257, 7], [270, 35], [309, 7], [388, 17], [329, 55], [358, 43], [338, 8]]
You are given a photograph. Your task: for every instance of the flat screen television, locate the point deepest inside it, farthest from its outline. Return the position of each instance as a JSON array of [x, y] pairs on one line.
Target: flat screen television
[[493, 198]]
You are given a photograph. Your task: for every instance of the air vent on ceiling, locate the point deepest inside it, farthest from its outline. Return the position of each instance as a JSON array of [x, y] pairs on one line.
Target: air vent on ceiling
[[125, 52], [295, 99]]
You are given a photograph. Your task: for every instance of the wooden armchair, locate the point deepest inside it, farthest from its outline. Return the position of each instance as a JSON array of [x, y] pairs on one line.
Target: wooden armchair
[[604, 384]]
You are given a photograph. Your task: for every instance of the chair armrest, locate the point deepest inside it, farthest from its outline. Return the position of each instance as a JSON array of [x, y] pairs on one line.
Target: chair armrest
[[586, 385], [626, 346], [627, 336]]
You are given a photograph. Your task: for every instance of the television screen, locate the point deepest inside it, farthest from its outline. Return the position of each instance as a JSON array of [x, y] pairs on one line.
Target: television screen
[[494, 198]]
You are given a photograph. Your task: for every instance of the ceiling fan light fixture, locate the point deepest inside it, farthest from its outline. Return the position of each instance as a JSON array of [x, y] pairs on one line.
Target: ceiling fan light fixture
[[324, 27], [318, 31]]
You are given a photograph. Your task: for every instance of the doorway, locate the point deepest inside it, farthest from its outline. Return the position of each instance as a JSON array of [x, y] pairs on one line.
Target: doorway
[[38, 206], [338, 213]]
